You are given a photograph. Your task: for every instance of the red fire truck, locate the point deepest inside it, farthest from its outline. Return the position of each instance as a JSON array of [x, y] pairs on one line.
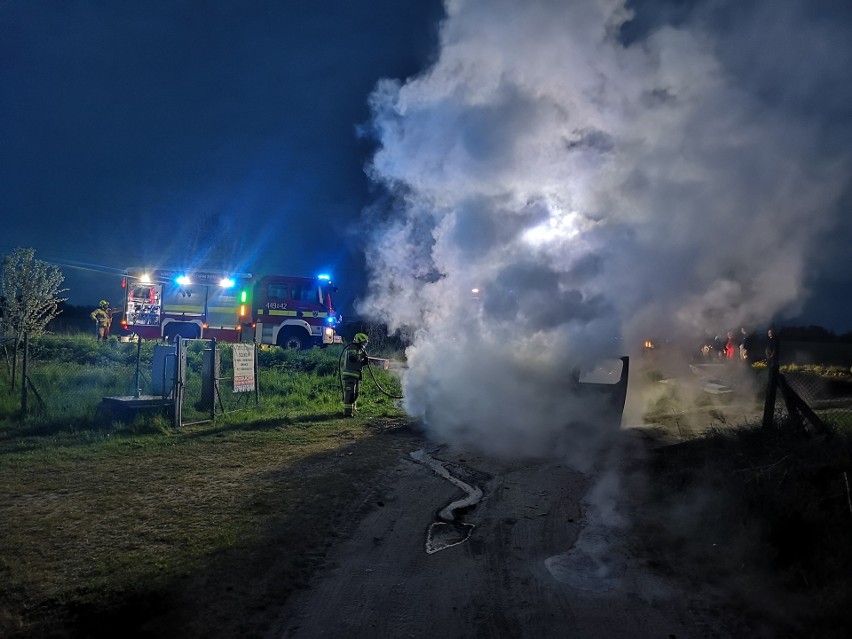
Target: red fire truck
[[167, 303], [293, 312]]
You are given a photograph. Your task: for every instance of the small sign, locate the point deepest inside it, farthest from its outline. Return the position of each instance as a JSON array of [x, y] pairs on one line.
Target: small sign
[[243, 368]]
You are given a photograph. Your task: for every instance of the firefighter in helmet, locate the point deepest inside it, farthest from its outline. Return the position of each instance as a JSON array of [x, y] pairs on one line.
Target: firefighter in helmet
[[103, 318], [355, 360]]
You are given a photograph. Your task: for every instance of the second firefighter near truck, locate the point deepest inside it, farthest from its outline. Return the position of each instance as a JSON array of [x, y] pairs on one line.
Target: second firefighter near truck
[[103, 319], [355, 360]]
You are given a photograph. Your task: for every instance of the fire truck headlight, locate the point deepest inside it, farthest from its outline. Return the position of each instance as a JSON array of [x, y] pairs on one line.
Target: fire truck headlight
[[329, 332]]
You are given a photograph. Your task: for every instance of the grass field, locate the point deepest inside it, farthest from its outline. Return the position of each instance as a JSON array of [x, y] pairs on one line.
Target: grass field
[[71, 375], [141, 530], [820, 353], [96, 528], [101, 521]]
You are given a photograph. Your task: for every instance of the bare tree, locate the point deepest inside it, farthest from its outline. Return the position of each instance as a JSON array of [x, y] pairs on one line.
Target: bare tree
[[29, 296]]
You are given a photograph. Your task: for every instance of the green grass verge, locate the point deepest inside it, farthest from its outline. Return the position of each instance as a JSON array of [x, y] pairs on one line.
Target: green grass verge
[[139, 529], [71, 375], [97, 526]]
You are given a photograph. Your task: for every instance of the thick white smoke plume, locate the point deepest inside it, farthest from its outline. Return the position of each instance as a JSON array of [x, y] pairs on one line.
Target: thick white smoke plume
[[595, 191]]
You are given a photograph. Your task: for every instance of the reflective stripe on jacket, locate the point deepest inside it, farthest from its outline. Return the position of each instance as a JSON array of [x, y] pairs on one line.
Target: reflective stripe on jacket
[[356, 359], [100, 316]]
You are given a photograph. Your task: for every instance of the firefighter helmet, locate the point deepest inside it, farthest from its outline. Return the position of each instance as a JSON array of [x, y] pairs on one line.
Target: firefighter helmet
[[360, 338], [104, 303]]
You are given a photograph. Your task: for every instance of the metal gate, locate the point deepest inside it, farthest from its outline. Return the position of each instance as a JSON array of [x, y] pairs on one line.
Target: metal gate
[[212, 378]]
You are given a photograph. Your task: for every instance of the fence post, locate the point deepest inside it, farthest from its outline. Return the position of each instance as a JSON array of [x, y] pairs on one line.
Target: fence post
[[24, 373], [210, 373], [214, 378], [137, 390], [774, 362], [799, 410], [178, 387], [256, 377]]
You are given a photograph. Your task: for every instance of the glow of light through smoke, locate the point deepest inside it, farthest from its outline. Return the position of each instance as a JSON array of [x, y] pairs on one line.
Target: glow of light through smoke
[[597, 190]]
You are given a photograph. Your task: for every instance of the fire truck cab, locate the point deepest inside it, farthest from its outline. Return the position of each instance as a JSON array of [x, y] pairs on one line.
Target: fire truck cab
[[294, 312], [167, 303]]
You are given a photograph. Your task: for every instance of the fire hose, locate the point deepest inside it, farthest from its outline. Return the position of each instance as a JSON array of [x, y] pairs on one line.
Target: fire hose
[[369, 368]]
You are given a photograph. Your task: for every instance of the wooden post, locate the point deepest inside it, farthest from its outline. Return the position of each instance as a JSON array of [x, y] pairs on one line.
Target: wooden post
[[137, 391], [208, 390], [214, 378], [178, 380], [256, 377], [210, 372], [772, 386], [24, 373], [799, 408]]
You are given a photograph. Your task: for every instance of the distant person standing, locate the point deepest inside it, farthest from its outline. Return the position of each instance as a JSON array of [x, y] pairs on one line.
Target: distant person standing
[[730, 347], [771, 347], [103, 319], [746, 344], [719, 347]]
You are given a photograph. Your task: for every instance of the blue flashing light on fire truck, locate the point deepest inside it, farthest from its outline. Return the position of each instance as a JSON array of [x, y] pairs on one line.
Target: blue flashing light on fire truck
[[293, 312]]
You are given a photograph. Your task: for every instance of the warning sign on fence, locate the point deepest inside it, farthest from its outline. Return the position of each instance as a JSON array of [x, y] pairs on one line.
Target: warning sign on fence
[[243, 368]]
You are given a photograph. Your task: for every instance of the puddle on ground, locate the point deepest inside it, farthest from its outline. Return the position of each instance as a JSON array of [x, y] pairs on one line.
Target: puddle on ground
[[448, 532]]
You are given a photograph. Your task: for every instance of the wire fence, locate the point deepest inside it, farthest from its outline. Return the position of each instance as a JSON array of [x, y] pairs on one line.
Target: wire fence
[[84, 381], [814, 400], [71, 380], [220, 378]]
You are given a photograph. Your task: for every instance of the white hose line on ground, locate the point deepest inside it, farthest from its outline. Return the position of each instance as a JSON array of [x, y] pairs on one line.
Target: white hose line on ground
[[448, 532]]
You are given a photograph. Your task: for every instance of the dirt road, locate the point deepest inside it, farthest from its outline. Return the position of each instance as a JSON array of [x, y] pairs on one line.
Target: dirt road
[[459, 545]]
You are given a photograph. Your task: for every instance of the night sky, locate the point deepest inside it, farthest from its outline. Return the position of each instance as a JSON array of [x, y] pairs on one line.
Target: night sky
[[226, 134], [182, 133]]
